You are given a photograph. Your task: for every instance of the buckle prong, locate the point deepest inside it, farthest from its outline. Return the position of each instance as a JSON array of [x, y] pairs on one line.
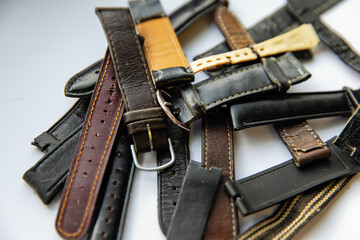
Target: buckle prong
[[164, 166]]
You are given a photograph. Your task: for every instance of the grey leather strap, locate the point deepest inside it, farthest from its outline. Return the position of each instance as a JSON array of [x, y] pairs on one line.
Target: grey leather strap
[[271, 75]]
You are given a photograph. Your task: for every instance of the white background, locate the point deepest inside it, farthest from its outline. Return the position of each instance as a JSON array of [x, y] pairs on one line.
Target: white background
[[44, 42]]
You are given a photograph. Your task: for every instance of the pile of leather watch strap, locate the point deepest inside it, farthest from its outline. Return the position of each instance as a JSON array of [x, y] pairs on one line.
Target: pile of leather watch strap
[[143, 98]]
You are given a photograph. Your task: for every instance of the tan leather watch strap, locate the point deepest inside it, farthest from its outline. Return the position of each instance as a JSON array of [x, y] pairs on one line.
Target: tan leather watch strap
[[300, 138], [162, 48], [303, 142], [217, 151], [91, 156]]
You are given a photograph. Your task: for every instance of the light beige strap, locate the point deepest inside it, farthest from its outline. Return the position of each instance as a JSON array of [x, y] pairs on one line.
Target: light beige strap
[[301, 38]]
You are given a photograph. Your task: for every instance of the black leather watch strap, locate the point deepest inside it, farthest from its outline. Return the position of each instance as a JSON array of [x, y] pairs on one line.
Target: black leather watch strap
[[170, 179], [269, 76], [63, 128], [195, 202], [283, 181], [115, 191], [292, 107], [48, 175]]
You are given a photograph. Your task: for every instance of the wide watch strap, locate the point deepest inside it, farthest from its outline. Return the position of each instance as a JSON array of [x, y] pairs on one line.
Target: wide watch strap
[[218, 151], [144, 118], [166, 60], [87, 169]]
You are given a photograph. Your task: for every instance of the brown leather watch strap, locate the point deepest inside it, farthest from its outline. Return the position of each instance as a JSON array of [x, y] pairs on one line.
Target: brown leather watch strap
[[303, 142], [91, 156], [300, 138], [236, 35], [217, 151], [144, 118]]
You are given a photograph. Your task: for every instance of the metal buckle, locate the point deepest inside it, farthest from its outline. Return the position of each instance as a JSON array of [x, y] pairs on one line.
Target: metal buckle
[[352, 97], [164, 166], [165, 106]]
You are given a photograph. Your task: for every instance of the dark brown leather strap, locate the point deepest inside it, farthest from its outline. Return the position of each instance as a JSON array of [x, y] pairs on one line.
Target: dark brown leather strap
[[303, 142], [134, 80], [217, 151], [91, 156], [300, 138]]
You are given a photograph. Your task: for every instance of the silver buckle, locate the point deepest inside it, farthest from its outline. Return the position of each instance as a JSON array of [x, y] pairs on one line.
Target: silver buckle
[[165, 106], [158, 168]]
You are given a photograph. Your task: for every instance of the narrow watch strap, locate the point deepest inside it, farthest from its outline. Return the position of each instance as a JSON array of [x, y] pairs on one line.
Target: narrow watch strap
[[166, 60], [195, 202], [92, 153], [217, 151], [115, 191], [170, 179], [134, 80]]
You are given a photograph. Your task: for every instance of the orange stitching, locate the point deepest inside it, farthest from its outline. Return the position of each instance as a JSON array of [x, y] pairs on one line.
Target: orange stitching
[[231, 177], [78, 159]]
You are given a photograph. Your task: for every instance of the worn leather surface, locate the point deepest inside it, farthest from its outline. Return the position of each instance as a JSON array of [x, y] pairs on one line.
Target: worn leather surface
[[170, 180], [64, 127], [48, 175], [290, 107], [217, 151], [303, 142], [195, 202], [83, 83], [132, 73], [172, 76], [285, 180], [115, 191], [194, 100], [92, 153]]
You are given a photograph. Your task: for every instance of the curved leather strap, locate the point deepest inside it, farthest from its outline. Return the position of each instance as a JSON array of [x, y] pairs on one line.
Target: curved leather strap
[[134, 80], [291, 107], [270, 76], [92, 153], [217, 151], [64, 127], [116, 190]]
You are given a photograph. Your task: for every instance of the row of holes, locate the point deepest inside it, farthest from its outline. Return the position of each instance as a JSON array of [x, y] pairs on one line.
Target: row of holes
[[218, 59]]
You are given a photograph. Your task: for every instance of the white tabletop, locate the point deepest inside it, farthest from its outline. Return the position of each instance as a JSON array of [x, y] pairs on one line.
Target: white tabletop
[[44, 42]]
